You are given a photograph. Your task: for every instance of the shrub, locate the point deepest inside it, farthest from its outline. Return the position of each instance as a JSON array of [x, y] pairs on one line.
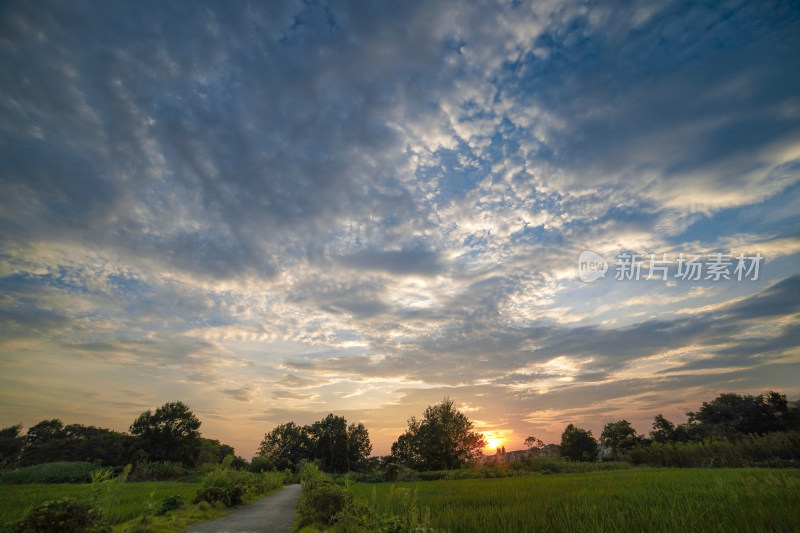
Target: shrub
[[60, 472], [398, 472], [171, 503], [323, 502], [226, 486], [64, 516], [311, 476], [229, 487]]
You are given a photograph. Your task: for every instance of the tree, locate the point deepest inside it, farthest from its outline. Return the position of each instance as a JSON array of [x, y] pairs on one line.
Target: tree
[[442, 440], [10, 444], [578, 444], [286, 445], [729, 414], [169, 434], [533, 443], [358, 446], [212, 452], [330, 443], [619, 436], [663, 430], [44, 431]]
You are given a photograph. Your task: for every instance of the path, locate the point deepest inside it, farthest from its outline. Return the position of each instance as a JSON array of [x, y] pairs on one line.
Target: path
[[273, 514]]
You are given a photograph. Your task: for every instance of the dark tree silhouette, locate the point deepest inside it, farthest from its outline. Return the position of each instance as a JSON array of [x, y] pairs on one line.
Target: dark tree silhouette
[[578, 444], [169, 434], [442, 440]]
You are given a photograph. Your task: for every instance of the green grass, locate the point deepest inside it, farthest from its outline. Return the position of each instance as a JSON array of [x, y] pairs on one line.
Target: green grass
[[696, 500], [131, 501], [61, 472]]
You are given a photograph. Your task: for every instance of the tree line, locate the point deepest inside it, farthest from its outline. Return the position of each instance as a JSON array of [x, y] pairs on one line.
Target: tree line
[[170, 433], [728, 416], [442, 439]]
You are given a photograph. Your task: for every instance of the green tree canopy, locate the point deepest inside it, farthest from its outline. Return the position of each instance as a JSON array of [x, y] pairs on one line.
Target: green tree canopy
[[286, 445], [444, 439], [730, 413], [663, 430], [10, 443], [578, 444], [619, 436], [329, 436], [359, 446], [169, 434]]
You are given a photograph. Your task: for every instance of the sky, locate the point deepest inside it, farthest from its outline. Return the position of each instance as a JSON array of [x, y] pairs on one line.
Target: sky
[[276, 210]]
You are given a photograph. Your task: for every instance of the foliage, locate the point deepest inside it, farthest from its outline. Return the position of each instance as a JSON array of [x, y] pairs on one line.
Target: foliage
[[171, 503], [67, 515], [773, 449], [160, 471], [61, 472], [260, 464], [10, 443], [231, 487], [169, 434], [337, 446], [286, 445], [663, 430], [358, 447], [443, 439], [323, 503], [743, 414], [128, 502], [619, 436], [51, 441], [329, 438], [533, 443], [212, 452], [741, 500], [578, 444]]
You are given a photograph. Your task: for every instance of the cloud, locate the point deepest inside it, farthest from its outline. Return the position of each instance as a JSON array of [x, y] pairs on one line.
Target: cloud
[[308, 203], [420, 262]]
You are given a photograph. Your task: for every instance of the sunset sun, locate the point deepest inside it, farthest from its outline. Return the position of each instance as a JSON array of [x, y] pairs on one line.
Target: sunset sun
[[493, 442]]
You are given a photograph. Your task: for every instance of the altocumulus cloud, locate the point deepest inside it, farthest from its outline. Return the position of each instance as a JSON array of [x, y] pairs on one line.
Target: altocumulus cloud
[[284, 209]]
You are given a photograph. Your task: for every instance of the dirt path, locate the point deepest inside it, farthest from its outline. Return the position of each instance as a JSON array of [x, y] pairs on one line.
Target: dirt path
[[273, 513]]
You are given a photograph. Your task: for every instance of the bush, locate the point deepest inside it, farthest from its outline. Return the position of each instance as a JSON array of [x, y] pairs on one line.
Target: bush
[[398, 472], [230, 487], [323, 502], [64, 516], [226, 486], [61, 472], [171, 503]]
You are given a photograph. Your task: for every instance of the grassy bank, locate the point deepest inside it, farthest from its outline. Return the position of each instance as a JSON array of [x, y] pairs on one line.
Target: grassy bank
[[131, 501], [630, 500]]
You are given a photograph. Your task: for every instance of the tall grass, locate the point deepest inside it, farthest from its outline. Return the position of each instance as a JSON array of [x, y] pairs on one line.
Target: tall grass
[[61, 472], [721, 500], [130, 500]]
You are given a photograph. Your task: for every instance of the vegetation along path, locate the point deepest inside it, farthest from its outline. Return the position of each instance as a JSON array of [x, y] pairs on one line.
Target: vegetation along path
[[274, 513]]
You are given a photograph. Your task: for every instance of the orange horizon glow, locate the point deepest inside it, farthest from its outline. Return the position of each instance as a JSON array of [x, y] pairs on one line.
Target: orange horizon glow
[[492, 442]]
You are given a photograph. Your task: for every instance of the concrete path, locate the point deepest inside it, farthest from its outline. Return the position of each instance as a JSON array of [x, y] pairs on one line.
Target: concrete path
[[273, 514]]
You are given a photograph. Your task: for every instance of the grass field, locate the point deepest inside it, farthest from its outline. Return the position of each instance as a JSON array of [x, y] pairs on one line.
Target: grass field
[[724, 500], [131, 501]]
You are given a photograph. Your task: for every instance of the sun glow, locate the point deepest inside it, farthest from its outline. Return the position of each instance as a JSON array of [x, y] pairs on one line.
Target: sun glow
[[493, 442]]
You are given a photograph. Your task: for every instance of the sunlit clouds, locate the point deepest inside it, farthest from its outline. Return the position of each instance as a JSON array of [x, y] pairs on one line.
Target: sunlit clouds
[[273, 212]]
